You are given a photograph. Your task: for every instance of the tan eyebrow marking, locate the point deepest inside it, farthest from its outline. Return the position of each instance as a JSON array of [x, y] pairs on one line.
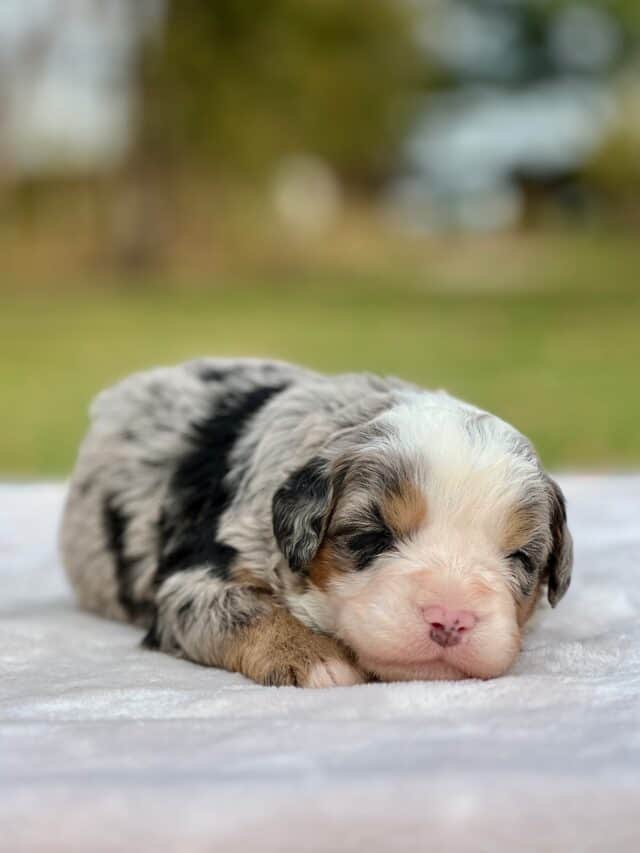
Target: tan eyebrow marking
[[404, 510]]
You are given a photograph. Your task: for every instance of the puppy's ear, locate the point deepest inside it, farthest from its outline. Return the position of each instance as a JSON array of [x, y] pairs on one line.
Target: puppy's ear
[[558, 568], [301, 509]]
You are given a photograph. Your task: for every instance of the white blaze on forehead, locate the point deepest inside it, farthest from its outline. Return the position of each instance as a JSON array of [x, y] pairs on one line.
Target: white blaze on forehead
[[472, 467]]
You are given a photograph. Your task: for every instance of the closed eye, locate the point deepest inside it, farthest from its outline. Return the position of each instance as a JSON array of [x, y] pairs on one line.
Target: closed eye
[[523, 558], [369, 544], [366, 540], [364, 544]]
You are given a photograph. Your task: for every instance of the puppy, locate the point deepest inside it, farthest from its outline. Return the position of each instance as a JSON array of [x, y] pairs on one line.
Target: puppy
[[312, 530]]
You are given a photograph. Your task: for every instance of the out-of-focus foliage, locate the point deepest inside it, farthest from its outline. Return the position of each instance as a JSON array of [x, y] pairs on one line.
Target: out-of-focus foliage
[[233, 85], [615, 170], [516, 43], [627, 11], [193, 242], [525, 95]]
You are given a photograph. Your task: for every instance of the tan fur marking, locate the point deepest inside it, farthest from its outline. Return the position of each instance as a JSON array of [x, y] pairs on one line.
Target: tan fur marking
[[326, 565], [405, 511], [279, 650]]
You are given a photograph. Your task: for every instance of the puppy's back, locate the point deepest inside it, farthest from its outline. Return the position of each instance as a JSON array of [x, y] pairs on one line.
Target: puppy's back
[[140, 430]]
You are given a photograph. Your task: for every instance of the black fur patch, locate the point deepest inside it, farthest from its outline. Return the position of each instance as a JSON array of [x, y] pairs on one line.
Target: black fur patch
[[558, 568], [199, 492], [115, 522], [213, 374], [300, 511], [151, 639]]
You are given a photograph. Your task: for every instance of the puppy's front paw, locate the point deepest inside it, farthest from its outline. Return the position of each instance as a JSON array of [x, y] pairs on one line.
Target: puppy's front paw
[[332, 673], [279, 651]]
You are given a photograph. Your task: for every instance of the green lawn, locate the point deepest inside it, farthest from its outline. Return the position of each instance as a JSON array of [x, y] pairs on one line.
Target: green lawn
[[553, 347]]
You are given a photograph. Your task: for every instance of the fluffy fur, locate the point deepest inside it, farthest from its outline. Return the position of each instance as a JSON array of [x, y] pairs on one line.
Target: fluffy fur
[[304, 529]]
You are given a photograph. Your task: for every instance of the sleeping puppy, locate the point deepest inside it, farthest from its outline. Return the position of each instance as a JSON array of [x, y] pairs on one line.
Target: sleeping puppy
[[311, 530]]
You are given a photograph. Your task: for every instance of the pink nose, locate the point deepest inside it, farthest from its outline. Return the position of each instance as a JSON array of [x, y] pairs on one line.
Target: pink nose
[[447, 627]]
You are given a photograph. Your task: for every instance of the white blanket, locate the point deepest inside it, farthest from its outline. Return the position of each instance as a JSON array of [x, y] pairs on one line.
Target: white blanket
[[104, 746]]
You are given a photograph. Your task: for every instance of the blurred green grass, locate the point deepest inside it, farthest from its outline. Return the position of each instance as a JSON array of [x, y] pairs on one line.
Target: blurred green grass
[[554, 347]]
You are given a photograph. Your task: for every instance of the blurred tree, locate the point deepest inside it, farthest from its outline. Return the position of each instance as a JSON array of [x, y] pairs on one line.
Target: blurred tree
[[615, 168], [517, 43], [526, 91], [231, 87]]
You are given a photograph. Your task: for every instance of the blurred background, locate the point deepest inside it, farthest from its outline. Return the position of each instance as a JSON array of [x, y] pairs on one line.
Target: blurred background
[[446, 190]]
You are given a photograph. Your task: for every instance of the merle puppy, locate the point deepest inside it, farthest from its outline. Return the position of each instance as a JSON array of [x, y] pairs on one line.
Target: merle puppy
[[312, 530]]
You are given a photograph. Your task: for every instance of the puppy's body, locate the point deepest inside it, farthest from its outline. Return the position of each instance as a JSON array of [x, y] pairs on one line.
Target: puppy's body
[[305, 529]]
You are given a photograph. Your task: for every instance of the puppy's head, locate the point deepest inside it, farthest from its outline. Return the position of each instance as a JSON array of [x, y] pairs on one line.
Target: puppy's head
[[425, 539]]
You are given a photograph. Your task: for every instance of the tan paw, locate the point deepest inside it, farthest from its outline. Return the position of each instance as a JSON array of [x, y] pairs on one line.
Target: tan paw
[[279, 651]]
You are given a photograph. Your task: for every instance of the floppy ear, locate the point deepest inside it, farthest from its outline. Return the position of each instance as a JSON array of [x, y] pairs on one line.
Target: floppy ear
[[301, 508], [558, 568]]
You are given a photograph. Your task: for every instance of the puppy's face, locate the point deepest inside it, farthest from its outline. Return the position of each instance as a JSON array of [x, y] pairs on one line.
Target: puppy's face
[[425, 544]]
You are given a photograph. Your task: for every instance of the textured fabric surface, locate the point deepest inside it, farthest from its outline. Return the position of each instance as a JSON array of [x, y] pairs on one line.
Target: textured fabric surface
[[104, 746]]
